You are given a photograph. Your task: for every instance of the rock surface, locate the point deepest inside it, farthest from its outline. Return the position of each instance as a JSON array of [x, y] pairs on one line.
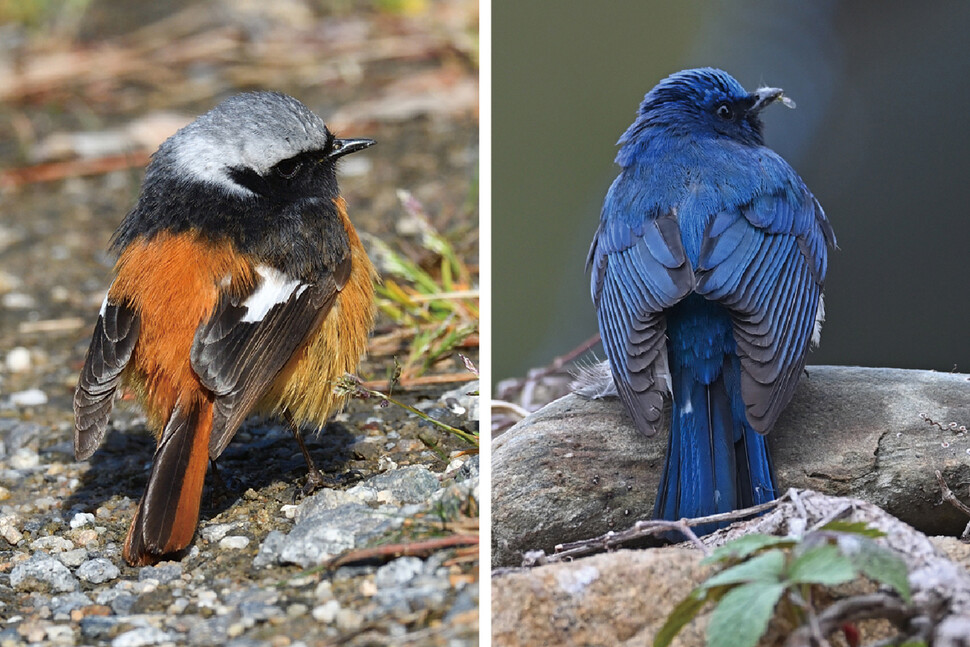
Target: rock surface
[[577, 468], [624, 597]]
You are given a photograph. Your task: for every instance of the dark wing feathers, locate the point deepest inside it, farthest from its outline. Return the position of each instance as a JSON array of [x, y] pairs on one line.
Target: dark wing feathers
[[238, 359], [111, 346], [765, 262], [637, 274]]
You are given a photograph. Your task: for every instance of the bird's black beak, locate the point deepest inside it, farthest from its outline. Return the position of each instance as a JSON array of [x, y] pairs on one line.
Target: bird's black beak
[[343, 147], [764, 97]]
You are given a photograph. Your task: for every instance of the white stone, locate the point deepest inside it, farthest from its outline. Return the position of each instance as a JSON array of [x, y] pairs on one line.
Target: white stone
[[18, 360]]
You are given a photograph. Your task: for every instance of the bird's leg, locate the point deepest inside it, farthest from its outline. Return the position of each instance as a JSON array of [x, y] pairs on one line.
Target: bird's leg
[[221, 489], [315, 477]]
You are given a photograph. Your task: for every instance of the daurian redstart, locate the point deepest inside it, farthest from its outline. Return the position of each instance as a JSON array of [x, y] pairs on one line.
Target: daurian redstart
[[240, 287]]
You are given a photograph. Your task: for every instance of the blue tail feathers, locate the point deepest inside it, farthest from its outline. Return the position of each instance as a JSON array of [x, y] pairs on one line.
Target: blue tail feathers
[[715, 461]]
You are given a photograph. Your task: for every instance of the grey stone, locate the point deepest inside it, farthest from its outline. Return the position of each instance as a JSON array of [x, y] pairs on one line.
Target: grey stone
[[44, 573], [462, 402], [97, 628], [164, 573], [217, 531], [72, 558], [410, 484], [214, 631], [465, 602], [469, 470], [325, 499], [318, 537], [121, 602], [62, 605], [15, 434], [97, 571], [141, 637], [269, 550], [256, 604], [578, 468], [398, 572]]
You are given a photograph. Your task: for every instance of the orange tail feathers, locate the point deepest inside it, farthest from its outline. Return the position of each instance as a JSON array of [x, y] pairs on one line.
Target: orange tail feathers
[[168, 512]]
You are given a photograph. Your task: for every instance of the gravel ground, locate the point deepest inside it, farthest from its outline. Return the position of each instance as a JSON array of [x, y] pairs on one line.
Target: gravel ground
[[252, 576]]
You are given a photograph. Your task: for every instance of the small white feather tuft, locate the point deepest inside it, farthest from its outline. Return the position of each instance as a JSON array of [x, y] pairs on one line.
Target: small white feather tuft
[[274, 288], [819, 318], [593, 380]]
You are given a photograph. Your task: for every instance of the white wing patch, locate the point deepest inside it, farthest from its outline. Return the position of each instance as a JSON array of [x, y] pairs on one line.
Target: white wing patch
[[819, 318], [274, 288]]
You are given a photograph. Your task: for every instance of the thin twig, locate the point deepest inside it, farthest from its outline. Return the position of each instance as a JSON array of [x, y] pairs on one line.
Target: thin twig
[[353, 386], [51, 171], [854, 609], [67, 324], [949, 497], [424, 380], [457, 294], [511, 407], [642, 529], [952, 499], [388, 552]]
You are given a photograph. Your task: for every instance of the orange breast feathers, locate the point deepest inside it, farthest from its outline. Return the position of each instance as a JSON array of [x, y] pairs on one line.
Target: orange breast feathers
[[173, 282], [305, 387]]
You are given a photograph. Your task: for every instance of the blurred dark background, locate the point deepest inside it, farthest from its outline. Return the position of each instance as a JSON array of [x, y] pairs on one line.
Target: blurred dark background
[[880, 135]]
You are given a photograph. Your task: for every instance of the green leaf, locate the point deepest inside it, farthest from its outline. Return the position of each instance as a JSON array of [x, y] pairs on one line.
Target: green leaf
[[683, 613], [686, 611], [766, 567], [742, 616], [855, 527], [744, 546], [878, 563], [823, 564]]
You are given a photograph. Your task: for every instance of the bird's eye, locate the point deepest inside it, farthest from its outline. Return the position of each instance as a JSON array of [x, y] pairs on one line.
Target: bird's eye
[[289, 168], [725, 112]]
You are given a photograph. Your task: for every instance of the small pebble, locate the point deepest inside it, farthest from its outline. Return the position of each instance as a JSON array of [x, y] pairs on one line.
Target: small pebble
[[296, 610], [52, 544], [73, 558], [178, 606], [18, 360], [119, 601], [18, 301], [206, 598], [24, 459], [62, 634], [28, 398], [161, 573], [324, 591], [41, 572], [217, 531], [86, 536], [141, 637], [82, 519], [349, 620], [326, 613], [97, 571], [9, 530], [234, 542]]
